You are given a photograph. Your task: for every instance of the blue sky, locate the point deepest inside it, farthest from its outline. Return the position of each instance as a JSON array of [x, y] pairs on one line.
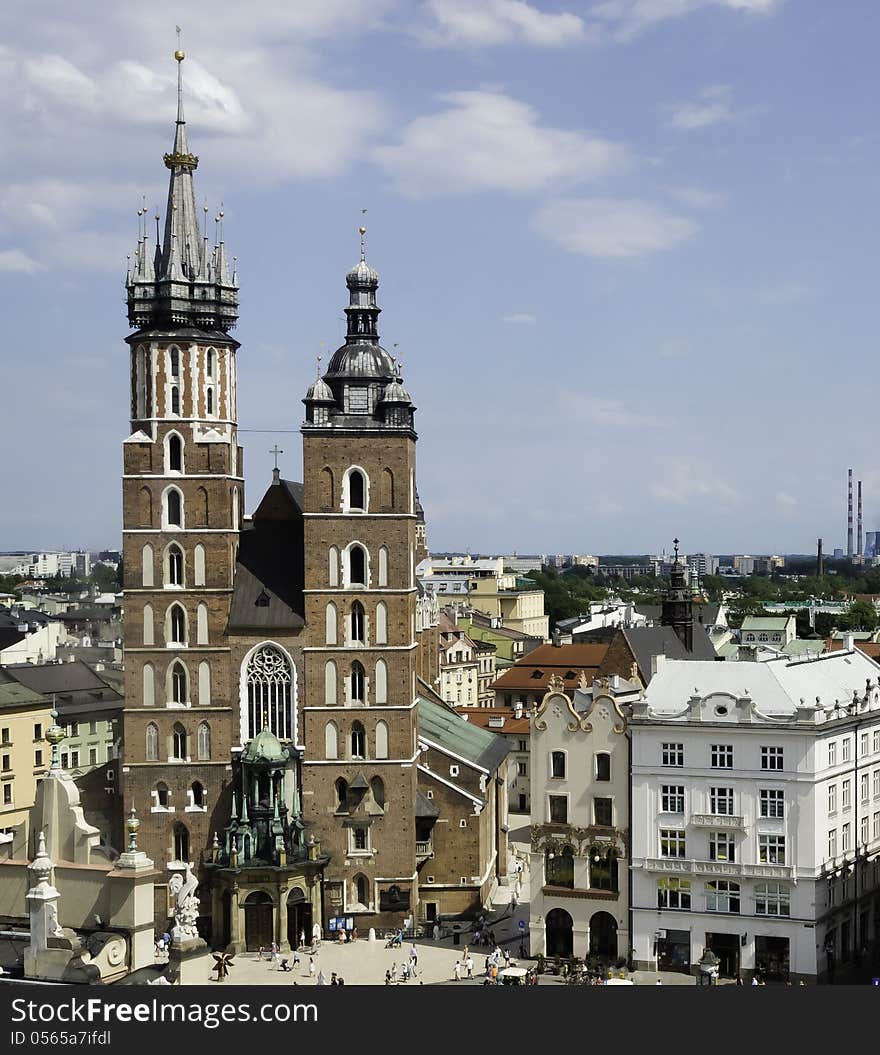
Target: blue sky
[[627, 251]]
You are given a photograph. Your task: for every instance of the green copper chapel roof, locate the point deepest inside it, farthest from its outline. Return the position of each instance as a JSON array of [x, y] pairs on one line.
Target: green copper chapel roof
[[265, 747]]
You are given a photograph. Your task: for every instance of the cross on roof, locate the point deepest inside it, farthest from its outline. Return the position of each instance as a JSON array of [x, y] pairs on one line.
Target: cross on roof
[[276, 451]]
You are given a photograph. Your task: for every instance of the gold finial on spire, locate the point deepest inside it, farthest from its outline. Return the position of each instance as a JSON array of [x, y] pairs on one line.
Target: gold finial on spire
[[319, 358], [180, 55], [363, 232]]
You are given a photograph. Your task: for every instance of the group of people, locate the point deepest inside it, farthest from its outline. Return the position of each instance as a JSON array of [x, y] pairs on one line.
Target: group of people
[[408, 969]]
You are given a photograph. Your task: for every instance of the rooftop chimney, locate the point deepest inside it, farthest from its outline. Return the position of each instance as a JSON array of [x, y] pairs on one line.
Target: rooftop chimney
[[849, 522], [859, 549]]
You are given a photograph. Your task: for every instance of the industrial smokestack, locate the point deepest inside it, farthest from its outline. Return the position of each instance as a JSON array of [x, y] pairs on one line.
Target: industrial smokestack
[[820, 561], [859, 549], [849, 531]]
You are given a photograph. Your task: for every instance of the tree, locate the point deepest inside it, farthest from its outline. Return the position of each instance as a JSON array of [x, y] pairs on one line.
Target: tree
[[861, 615]]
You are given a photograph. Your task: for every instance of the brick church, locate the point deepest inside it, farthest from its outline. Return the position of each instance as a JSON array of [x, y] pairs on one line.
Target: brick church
[[281, 729]]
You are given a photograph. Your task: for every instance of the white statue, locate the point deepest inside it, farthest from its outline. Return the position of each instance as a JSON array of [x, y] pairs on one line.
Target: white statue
[[186, 905]]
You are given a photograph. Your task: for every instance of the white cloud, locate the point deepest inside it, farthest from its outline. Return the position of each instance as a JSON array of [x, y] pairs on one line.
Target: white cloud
[[625, 19], [682, 480], [16, 260], [487, 23], [487, 141], [609, 413], [519, 318], [619, 228], [713, 106], [697, 197], [785, 501]]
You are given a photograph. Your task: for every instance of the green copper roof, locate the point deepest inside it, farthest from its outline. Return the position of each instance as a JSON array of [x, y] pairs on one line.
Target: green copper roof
[[449, 730], [265, 747]]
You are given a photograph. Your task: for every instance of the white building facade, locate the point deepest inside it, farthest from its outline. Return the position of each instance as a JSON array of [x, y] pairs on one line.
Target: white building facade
[[756, 816], [579, 897]]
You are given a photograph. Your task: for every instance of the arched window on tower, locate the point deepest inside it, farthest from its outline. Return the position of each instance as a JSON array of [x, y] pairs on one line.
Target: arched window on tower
[[383, 565], [381, 681], [331, 740], [381, 623], [176, 628], [358, 683], [269, 680], [199, 565], [330, 627], [356, 624], [235, 514], [204, 742], [173, 508], [148, 625], [358, 741], [181, 843], [330, 691], [362, 890], [149, 684], [327, 491], [152, 753], [209, 363], [202, 624], [174, 362], [175, 454], [147, 565], [356, 491], [178, 743], [178, 689], [333, 566], [357, 565], [161, 798], [341, 793], [204, 683], [381, 739], [377, 786], [197, 793], [174, 565], [209, 401], [175, 400]]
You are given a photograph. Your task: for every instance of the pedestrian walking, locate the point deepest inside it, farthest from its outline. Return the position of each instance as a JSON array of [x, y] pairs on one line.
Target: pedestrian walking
[[394, 972], [260, 952], [321, 979], [404, 971], [388, 978], [469, 963], [456, 971], [311, 967], [295, 958], [274, 952]]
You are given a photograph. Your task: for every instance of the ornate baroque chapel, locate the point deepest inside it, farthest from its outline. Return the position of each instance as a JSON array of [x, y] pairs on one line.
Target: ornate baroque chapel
[[276, 666]]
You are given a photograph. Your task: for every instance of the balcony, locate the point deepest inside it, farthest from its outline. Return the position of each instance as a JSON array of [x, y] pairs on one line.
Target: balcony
[[717, 820], [424, 850], [728, 869]]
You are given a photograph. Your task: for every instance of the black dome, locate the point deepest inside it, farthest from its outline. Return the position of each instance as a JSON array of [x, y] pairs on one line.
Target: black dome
[[361, 361]]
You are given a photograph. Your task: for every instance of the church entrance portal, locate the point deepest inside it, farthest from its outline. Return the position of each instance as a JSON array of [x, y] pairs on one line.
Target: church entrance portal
[[560, 939], [258, 921], [299, 919]]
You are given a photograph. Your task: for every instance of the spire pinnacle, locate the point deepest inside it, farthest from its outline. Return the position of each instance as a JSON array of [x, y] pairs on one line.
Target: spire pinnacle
[[363, 231]]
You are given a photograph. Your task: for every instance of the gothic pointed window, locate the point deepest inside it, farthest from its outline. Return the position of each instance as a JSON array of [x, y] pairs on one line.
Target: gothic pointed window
[[209, 363], [358, 683], [181, 843], [174, 362], [198, 795], [210, 400], [204, 741], [173, 508], [269, 679], [174, 575], [175, 399], [161, 795], [357, 566], [175, 454], [178, 687], [152, 742], [176, 625], [178, 743], [357, 623], [357, 491], [341, 793], [358, 741]]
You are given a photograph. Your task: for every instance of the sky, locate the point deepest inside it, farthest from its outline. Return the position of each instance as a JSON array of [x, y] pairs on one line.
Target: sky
[[627, 252]]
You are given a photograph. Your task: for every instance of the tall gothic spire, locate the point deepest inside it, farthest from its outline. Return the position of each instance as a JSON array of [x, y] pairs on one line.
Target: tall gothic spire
[[678, 604], [184, 282]]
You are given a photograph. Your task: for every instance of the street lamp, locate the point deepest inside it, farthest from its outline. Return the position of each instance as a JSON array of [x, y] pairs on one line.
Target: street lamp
[[708, 965]]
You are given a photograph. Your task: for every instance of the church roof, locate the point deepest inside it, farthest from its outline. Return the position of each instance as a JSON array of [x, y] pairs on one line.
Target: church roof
[[267, 590]]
